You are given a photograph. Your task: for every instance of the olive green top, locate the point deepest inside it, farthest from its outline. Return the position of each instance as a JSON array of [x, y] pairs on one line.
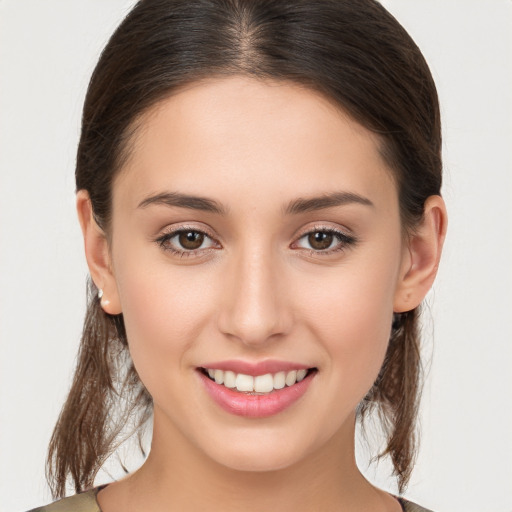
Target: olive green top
[[86, 502], [83, 502]]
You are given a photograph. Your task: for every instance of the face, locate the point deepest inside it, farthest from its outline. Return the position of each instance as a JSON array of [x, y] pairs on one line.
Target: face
[[257, 253]]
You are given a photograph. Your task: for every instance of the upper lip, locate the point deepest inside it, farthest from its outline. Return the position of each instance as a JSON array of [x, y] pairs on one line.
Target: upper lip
[[255, 368]]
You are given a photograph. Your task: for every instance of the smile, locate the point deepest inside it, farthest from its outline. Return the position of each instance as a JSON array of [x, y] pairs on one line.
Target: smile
[[257, 392], [262, 384]]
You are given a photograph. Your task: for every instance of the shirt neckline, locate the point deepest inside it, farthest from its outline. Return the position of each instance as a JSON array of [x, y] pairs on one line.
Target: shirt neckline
[[96, 490]]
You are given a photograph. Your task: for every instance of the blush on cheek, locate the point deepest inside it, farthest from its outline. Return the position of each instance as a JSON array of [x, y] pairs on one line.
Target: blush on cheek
[[353, 323], [162, 315]]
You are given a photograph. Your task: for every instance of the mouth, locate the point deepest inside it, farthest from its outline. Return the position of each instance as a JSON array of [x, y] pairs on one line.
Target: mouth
[[257, 384], [259, 395]]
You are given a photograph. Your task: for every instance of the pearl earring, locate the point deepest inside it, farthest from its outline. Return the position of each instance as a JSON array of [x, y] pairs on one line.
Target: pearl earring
[[103, 302]]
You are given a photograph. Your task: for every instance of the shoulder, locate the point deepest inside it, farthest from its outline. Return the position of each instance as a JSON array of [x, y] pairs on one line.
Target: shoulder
[[83, 502], [409, 506]]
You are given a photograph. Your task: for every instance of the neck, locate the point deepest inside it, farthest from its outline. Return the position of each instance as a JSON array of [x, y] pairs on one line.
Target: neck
[[178, 476]]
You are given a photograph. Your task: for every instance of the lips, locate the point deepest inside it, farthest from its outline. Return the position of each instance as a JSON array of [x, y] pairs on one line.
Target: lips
[[255, 390]]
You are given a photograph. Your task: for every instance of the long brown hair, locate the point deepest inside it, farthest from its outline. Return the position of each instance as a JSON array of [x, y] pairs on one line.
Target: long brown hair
[[353, 52]]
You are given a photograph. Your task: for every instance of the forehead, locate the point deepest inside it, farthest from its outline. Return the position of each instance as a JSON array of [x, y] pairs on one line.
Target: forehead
[[240, 135]]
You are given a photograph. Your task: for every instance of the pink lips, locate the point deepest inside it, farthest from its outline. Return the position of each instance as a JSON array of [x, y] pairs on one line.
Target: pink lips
[[255, 406]]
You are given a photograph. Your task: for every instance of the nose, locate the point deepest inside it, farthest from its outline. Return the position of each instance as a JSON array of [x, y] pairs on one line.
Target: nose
[[255, 307]]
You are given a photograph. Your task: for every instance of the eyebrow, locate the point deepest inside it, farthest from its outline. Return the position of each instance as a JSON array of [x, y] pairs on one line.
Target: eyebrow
[[296, 206], [184, 201], [305, 204]]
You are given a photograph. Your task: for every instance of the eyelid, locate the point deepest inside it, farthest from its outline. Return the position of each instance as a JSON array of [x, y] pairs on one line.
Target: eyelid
[[171, 231], [345, 237], [177, 228], [344, 232]]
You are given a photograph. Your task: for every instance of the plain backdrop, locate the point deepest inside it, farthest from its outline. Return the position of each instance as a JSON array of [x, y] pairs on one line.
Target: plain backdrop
[[47, 52]]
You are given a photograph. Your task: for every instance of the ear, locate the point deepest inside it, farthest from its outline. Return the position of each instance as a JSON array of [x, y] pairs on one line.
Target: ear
[[422, 255], [97, 253]]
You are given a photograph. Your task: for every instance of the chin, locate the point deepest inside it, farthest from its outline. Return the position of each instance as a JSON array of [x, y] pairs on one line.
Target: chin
[[265, 450], [258, 460]]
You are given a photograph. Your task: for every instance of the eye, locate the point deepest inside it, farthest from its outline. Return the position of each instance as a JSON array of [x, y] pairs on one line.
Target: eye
[[320, 240], [325, 241], [185, 241], [190, 240]]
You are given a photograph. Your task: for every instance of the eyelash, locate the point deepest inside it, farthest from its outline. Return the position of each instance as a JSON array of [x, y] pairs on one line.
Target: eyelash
[[344, 241], [163, 241]]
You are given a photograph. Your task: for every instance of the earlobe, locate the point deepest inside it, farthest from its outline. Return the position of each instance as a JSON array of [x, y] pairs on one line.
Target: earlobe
[[424, 253], [97, 254]]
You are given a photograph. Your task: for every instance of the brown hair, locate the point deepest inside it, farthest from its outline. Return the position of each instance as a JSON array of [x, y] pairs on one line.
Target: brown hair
[[352, 51]]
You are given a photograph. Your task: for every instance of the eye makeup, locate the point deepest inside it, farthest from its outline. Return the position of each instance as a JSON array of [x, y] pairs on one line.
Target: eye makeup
[[325, 240], [189, 241]]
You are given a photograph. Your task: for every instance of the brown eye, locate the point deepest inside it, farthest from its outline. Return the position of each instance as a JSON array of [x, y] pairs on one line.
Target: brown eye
[[325, 241], [191, 240], [186, 242], [320, 240]]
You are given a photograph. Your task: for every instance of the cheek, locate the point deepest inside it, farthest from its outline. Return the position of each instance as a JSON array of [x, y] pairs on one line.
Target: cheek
[[164, 311], [351, 313]]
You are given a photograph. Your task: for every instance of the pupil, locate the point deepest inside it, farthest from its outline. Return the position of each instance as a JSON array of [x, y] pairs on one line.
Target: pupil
[[191, 240], [320, 240]]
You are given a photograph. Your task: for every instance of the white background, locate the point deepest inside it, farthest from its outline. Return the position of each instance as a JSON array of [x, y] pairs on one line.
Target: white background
[[47, 52]]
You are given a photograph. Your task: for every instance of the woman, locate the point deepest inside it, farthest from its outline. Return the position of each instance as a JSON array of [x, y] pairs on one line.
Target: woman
[[258, 189]]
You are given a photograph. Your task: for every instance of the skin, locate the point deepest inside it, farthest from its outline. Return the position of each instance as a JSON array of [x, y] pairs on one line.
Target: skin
[[256, 289]]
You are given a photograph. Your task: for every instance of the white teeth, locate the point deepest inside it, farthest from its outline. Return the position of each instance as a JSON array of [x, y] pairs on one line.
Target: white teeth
[[244, 382], [259, 384], [219, 376], [229, 379], [291, 378], [279, 380], [301, 374], [264, 383]]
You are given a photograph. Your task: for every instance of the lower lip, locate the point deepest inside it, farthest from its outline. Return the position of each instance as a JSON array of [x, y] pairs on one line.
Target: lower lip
[[256, 406]]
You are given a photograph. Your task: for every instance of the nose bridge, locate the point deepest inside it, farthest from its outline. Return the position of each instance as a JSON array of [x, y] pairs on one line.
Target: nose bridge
[[255, 309]]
